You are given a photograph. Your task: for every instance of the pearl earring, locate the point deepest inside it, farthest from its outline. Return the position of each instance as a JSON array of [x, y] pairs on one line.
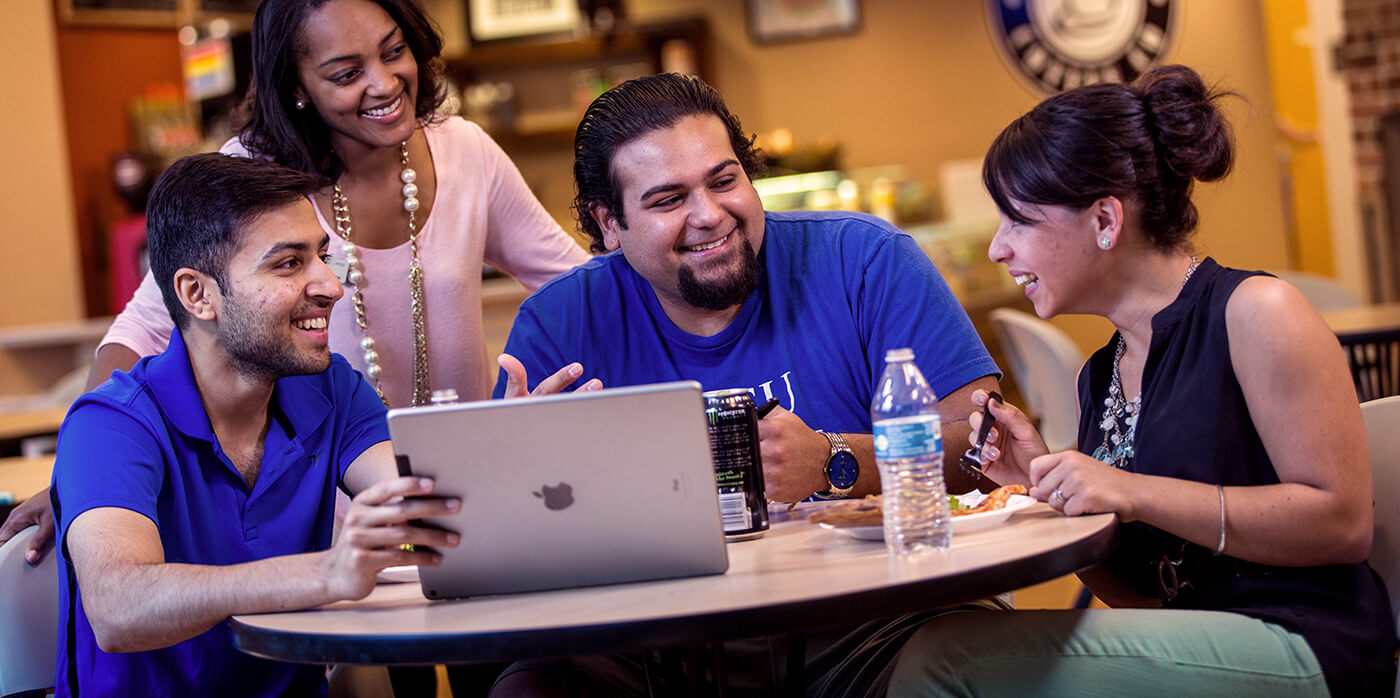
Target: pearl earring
[[300, 104], [1105, 242]]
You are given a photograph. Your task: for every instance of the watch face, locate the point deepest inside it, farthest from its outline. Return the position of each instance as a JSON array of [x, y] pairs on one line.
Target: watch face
[[842, 470]]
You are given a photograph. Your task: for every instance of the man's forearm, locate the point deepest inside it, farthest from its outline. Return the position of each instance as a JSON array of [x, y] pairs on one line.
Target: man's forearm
[[149, 606], [956, 439]]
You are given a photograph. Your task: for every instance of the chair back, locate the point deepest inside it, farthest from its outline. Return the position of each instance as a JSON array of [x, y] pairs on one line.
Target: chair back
[[1045, 363], [1374, 360], [1382, 419], [28, 619], [1324, 293]]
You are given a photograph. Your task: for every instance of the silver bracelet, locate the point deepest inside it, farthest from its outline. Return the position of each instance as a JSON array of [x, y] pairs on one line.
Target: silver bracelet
[[1220, 547]]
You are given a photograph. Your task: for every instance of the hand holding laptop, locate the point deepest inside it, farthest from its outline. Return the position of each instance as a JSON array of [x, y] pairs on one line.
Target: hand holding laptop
[[517, 383], [375, 532], [590, 487]]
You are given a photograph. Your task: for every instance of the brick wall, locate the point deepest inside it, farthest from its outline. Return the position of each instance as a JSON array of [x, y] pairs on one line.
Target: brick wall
[[1369, 60]]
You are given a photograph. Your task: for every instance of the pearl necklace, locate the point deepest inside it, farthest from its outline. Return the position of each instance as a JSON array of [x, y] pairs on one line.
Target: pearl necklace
[[1117, 447], [341, 206]]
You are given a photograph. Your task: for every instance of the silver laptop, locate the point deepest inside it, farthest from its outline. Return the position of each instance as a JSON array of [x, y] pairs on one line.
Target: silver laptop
[[569, 490]]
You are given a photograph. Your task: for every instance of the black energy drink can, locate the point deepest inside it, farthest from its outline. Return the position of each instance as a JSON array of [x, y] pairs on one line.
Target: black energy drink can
[[733, 422]]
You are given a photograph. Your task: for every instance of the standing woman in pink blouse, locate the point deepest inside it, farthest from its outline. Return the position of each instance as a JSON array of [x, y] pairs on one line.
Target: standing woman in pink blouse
[[415, 202], [348, 89]]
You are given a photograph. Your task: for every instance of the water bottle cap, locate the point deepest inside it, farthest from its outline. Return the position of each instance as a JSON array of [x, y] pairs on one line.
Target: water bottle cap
[[902, 354], [445, 396]]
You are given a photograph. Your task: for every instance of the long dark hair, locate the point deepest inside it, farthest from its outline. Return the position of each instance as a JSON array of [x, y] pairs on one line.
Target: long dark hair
[[298, 138], [1147, 142], [631, 110]]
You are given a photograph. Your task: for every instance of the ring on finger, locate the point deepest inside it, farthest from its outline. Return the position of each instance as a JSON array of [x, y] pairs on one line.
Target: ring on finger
[[1059, 496]]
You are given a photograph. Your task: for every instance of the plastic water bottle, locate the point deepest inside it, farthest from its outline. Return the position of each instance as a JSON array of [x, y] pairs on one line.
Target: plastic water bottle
[[909, 452]]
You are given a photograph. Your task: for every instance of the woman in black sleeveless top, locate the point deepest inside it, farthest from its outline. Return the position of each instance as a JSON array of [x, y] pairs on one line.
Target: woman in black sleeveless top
[[1219, 423]]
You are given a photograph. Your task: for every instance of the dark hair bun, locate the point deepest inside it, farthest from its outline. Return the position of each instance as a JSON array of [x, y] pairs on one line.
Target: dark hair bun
[[1148, 143], [1193, 138]]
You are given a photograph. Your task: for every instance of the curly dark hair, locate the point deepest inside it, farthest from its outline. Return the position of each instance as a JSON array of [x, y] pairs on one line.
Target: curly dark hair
[[629, 111], [299, 139], [1147, 142]]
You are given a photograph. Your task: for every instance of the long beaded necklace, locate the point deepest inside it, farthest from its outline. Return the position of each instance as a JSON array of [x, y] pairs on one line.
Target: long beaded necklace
[[1117, 447], [341, 206]]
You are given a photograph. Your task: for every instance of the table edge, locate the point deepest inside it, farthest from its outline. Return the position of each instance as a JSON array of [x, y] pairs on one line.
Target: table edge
[[671, 631]]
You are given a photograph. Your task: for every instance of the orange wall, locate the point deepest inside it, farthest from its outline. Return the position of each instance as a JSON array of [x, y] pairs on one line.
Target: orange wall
[[101, 70], [40, 282], [1299, 150]]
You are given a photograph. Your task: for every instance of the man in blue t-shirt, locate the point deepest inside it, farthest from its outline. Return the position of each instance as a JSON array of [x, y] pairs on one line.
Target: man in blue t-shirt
[[201, 484], [702, 284]]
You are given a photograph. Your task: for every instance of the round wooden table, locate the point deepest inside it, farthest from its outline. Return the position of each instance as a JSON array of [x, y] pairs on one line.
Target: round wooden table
[[798, 577]]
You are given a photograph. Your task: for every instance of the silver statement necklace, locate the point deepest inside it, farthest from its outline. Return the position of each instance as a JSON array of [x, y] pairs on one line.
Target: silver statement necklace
[[1120, 415], [341, 206]]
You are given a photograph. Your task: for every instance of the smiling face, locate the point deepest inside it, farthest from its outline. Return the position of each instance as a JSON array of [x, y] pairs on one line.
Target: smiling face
[[694, 220], [358, 73], [1052, 256], [272, 320]]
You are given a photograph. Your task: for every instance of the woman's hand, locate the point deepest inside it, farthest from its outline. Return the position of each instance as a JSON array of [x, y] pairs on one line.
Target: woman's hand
[[1011, 445], [1075, 484], [34, 510]]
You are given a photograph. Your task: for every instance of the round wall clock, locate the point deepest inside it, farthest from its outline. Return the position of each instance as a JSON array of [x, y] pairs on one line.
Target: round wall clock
[[1058, 45]]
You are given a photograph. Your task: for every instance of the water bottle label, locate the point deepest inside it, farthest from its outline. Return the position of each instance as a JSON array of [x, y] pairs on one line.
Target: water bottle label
[[908, 439]]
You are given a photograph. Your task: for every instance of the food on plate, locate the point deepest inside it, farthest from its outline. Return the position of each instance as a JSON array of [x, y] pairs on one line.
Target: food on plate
[[996, 500], [852, 512], [867, 512]]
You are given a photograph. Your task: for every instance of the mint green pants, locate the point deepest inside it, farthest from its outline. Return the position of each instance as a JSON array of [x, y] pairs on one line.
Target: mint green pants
[[1119, 652]]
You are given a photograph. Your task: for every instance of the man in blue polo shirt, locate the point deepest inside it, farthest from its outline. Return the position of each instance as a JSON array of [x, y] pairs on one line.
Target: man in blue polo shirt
[[201, 484]]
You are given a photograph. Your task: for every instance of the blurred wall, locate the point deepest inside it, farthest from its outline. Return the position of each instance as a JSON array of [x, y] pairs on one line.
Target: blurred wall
[[1299, 149], [919, 84], [40, 281], [922, 83], [102, 69]]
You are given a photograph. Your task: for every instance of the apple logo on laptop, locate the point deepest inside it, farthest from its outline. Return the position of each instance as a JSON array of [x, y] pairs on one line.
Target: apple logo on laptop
[[560, 496]]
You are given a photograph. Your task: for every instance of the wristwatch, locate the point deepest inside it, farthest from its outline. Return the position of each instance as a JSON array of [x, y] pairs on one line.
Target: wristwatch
[[842, 469]]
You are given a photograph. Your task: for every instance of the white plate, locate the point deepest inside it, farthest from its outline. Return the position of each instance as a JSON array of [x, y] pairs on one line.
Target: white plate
[[961, 524], [397, 575], [987, 519]]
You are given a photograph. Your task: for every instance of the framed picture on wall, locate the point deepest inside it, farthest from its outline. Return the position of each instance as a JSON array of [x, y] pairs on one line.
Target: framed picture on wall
[[121, 13], [155, 13], [489, 20], [787, 20]]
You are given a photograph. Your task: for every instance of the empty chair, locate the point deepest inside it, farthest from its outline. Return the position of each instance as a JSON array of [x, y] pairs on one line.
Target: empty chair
[[1383, 434], [1045, 363], [28, 619], [1325, 294]]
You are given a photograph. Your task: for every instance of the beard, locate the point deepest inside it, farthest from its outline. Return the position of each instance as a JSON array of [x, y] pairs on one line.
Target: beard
[[726, 291], [260, 353]]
